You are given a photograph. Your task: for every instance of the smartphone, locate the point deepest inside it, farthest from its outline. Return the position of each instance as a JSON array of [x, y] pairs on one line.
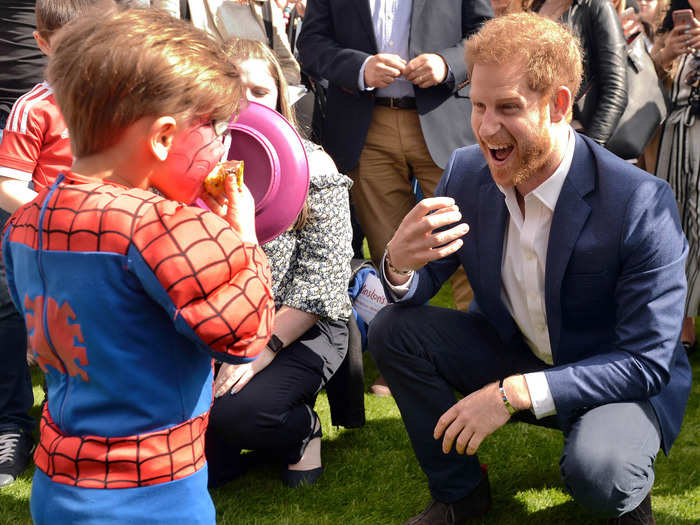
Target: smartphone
[[682, 17]]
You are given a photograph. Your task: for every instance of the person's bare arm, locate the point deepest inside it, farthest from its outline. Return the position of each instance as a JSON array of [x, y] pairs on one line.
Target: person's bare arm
[[14, 193]]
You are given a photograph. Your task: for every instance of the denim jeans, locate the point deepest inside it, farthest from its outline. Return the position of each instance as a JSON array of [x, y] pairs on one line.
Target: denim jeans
[[16, 397]]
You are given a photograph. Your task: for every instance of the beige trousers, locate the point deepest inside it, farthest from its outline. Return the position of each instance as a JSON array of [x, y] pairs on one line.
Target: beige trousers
[[394, 151]]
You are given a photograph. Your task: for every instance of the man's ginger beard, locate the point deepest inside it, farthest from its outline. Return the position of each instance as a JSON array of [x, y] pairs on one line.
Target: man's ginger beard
[[532, 154]]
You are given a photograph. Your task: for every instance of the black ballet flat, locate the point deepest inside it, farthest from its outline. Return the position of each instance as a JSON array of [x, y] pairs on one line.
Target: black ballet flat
[[298, 478]]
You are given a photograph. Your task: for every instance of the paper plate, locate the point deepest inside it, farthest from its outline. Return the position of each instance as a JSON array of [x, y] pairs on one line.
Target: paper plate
[[275, 166]]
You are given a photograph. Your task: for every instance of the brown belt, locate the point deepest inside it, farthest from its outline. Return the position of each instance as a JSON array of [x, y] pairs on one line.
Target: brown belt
[[396, 103]]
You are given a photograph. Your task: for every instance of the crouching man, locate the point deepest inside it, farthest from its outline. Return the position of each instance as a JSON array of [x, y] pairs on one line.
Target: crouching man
[[577, 262]]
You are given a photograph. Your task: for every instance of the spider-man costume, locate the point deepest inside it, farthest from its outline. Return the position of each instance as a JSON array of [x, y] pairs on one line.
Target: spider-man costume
[[127, 296]]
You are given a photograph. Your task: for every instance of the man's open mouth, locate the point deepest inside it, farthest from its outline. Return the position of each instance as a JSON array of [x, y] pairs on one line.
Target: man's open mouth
[[501, 153]]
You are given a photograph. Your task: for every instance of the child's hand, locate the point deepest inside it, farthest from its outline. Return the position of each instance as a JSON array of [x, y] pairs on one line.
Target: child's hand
[[237, 207], [241, 210]]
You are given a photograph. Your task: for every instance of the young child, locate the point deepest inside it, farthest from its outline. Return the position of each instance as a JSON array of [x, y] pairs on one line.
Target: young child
[[128, 295], [35, 146]]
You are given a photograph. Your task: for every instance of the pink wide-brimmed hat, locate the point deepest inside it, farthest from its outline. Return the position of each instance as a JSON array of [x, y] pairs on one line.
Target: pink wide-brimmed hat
[[276, 169]]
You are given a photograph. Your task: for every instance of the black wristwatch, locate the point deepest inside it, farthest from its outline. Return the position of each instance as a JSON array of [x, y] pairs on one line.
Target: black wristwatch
[[275, 344]]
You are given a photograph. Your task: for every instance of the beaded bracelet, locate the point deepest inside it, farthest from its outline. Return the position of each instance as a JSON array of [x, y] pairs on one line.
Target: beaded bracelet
[[391, 266]]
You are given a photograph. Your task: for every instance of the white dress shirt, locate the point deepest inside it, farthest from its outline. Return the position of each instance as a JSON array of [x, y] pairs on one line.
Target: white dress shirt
[[523, 270]]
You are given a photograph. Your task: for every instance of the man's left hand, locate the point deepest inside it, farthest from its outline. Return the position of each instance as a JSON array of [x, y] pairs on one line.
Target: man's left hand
[[471, 419], [480, 414], [426, 70]]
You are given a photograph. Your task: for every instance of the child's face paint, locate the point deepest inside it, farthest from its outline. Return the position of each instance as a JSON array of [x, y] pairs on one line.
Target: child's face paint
[[194, 154]]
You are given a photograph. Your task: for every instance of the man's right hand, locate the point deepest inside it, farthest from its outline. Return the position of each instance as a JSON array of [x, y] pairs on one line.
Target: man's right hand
[[382, 69], [415, 242]]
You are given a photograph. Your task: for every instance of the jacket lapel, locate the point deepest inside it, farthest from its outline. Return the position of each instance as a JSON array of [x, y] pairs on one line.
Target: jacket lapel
[[570, 215], [416, 14], [493, 215], [366, 20]]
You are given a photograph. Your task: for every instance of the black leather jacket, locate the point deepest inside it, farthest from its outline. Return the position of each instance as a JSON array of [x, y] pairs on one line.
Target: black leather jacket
[[604, 65]]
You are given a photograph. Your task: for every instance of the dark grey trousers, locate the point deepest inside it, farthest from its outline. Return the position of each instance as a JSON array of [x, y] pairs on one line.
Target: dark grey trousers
[[16, 397], [425, 353]]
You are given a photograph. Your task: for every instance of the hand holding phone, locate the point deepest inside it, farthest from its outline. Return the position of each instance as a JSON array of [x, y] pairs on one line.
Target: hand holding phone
[[682, 17], [630, 23], [683, 38]]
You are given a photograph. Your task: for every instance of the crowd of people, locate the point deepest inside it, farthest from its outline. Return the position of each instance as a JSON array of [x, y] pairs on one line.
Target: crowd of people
[[466, 141]]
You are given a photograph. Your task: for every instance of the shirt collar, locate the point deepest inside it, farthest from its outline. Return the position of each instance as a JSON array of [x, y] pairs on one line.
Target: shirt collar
[[548, 192]]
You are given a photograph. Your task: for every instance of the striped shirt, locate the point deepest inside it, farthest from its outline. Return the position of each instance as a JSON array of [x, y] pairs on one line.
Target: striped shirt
[[35, 145]]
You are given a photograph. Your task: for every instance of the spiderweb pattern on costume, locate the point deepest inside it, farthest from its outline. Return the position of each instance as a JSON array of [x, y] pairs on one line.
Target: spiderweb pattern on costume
[[83, 218], [220, 285], [213, 279], [123, 462]]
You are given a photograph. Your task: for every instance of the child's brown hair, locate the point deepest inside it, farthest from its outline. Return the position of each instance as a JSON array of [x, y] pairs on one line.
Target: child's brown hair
[[52, 15], [111, 69]]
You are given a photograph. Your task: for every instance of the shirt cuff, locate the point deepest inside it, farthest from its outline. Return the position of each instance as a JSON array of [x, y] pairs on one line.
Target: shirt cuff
[[361, 78], [540, 395], [397, 291]]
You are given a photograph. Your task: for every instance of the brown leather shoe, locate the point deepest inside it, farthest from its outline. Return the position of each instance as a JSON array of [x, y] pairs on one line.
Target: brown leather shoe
[[642, 515], [473, 505]]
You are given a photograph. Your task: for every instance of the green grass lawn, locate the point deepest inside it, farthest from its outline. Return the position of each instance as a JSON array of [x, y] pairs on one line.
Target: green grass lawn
[[372, 477]]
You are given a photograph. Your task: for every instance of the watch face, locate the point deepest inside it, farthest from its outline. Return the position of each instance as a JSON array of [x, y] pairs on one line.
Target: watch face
[[275, 344]]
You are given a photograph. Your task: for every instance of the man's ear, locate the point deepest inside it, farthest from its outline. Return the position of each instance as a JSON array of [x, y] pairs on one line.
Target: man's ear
[[560, 104], [161, 136], [43, 43]]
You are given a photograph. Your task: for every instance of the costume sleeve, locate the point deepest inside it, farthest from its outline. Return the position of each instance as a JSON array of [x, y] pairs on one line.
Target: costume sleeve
[[649, 309], [317, 280], [215, 286]]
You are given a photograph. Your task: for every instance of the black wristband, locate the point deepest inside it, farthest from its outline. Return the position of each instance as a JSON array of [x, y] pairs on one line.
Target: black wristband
[[275, 344]]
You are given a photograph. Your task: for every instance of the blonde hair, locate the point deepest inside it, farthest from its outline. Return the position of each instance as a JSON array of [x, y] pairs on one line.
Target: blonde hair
[[111, 69], [551, 53]]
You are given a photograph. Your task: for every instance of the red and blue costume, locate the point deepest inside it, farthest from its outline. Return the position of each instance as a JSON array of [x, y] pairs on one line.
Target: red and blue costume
[[127, 296]]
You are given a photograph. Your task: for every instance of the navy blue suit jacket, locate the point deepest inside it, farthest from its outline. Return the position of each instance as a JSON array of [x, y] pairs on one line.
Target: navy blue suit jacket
[[615, 281]]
